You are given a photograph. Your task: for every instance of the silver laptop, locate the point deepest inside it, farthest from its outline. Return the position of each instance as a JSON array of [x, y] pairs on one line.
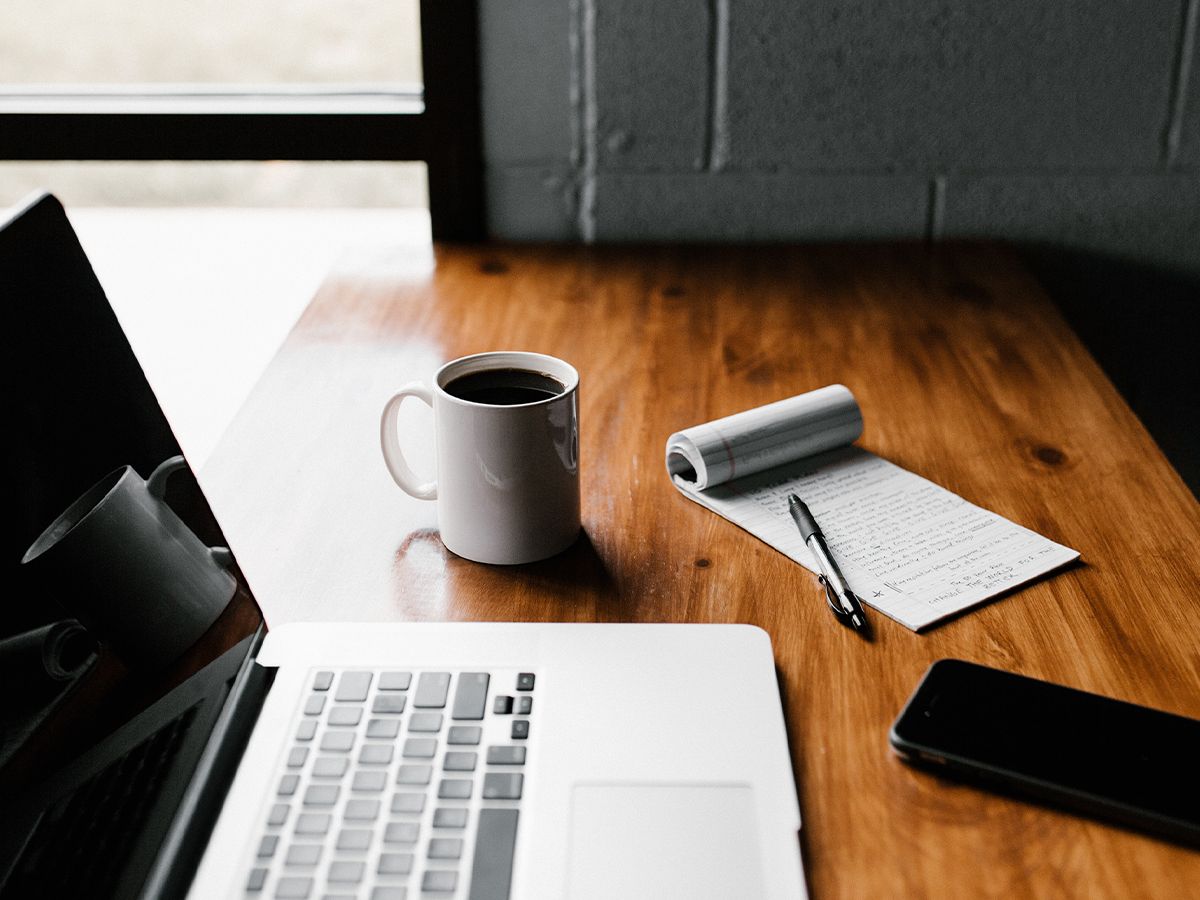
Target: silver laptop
[[403, 760]]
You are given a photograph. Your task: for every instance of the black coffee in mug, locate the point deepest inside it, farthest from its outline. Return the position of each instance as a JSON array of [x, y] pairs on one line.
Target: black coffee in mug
[[504, 387]]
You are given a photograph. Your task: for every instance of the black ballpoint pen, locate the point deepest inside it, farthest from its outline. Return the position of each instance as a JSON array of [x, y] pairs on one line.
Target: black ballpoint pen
[[841, 599]]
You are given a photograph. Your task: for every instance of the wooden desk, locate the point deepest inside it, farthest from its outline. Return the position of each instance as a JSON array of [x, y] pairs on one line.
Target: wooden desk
[[965, 373]]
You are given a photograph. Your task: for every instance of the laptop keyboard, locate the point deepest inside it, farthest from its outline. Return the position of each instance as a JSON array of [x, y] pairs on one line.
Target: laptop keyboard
[[396, 785], [83, 841]]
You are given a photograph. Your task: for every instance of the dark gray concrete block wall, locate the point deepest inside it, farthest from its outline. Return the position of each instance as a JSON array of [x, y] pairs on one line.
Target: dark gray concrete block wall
[[758, 207], [529, 96], [530, 203], [651, 85], [1152, 220], [1073, 122], [929, 86], [527, 66], [1186, 128]]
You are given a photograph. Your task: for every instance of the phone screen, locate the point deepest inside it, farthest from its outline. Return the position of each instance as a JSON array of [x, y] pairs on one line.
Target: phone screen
[[1100, 754]]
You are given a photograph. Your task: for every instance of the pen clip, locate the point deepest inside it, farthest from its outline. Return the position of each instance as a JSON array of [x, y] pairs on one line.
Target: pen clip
[[832, 599]]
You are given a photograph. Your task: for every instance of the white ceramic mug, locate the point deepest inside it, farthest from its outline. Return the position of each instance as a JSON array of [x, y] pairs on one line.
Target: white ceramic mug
[[132, 571], [507, 484]]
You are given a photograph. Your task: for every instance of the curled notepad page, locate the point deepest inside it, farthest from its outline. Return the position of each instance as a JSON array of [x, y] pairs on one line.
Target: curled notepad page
[[704, 456]]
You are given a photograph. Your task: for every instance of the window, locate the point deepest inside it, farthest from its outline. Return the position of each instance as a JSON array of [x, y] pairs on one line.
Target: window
[[305, 90]]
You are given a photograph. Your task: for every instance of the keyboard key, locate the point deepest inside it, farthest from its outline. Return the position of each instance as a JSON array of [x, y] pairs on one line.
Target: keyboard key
[[455, 789], [413, 774], [361, 810], [401, 833], [445, 848], [312, 823], [502, 785], [388, 703], [346, 872], [408, 803], [383, 728], [506, 756], [420, 748], [395, 681], [470, 697], [369, 781], [288, 785], [395, 863], [502, 705], [353, 687], [297, 757], [293, 888], [525, 681], [436, 881], [425, 721], [495, 840], [450, 817], [375, 755], [258, 877], [384, 892], [460, 761], [524, 705], [337, 740], [306, 730], [354, 839], [345, 715], [464, 734], [322, 681], [321, 794], [432, 688], [314, 704], [278, 814], [303, 855], [330, 767], [266, 847], [520, 729]]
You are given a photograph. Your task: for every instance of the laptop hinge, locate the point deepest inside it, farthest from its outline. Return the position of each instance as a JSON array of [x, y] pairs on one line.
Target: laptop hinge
[[191, 827]]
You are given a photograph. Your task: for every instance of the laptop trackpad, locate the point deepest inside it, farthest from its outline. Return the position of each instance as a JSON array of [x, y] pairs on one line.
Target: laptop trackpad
[[664, 840]]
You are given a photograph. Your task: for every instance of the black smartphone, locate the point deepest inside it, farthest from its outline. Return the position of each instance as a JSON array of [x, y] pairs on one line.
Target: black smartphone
[[1103, 757]]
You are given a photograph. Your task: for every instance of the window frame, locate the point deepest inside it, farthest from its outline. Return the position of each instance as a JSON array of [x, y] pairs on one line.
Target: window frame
[[437, 123]]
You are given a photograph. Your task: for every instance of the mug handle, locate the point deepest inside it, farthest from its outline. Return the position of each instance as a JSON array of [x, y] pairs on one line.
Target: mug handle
[[222, 556], [156, 487], [156, 484], [390, 443]]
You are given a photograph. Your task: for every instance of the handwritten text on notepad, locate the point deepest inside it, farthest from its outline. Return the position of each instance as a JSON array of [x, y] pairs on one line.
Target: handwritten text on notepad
[[913, 550]]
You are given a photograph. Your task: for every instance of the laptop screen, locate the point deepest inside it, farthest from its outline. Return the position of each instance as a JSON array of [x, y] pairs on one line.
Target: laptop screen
[[116, 594]]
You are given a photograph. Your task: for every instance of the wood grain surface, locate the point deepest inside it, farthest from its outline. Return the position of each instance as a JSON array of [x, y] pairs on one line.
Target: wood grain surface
[[966, 374]]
